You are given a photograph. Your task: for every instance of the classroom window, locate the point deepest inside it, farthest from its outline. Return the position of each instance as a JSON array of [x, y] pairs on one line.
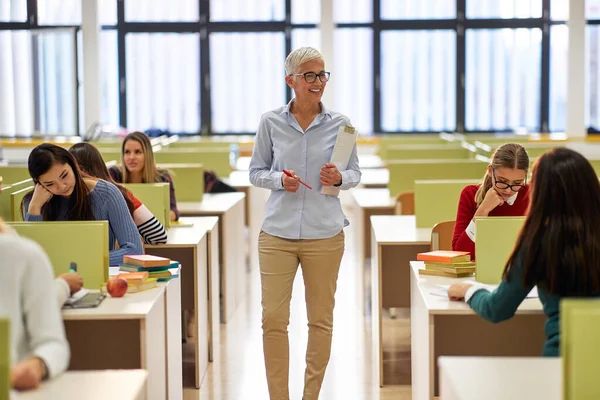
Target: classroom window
[[107, 10], [418, 81], [503, 68], [559, 53], [418, 9], [504, 9], [163, 81], [352, 11], [54, 81], [559, 10], [109, 79], [247, 79], [593, 76], [161, 10], [59, 12], [306, 11], [16, 95], [310, 37], [592, 9], [13, 11], [352, 76], [247, 10]]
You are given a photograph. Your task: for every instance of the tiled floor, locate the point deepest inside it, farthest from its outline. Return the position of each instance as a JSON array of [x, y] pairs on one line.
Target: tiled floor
[[240, 374]]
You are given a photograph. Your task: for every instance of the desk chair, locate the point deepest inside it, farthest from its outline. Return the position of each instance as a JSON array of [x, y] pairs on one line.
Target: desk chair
[[441, 235], [405, 204]]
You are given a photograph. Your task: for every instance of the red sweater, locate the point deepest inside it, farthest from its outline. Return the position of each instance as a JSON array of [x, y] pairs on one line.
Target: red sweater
[[466, 211]]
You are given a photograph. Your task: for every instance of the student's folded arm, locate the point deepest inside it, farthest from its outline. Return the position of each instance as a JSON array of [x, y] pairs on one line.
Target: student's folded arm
[[464, 215], [29, 217], [351, 175], [150, 229], [42, 314], [122, 225], [262, 160], [502, 303]]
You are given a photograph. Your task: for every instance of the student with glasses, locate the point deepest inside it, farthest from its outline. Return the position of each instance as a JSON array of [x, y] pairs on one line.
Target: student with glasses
[[503, 193]]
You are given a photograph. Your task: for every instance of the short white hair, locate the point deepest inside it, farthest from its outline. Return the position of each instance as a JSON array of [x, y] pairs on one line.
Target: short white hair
[[300, 56]]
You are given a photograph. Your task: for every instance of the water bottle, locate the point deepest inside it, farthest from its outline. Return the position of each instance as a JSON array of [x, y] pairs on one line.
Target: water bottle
[[234, 151]]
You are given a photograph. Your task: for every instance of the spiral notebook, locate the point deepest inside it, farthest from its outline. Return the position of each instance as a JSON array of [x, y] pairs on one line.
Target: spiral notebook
[[342, 150]]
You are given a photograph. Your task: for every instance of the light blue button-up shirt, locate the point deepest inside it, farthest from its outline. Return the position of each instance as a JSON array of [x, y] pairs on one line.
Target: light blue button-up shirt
[[280, 143]]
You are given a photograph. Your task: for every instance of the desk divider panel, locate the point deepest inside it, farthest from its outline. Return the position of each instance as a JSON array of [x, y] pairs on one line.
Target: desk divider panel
[[14, 173], [580, 330], [155, 197], [494, 242], [451, 151], [16, 198], [404, 173], [5, 199], [437, 200], [214, 159], [83, 242], [188, 180]]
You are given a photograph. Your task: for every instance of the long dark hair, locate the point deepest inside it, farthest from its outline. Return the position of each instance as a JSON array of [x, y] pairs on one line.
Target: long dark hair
[[41, 159], [559, 245], [91, 163]]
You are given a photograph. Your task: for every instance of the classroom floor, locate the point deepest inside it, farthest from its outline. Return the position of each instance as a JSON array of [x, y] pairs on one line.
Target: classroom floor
[[240, 373]]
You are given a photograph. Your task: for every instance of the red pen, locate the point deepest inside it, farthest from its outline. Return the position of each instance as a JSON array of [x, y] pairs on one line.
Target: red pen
[[291, 176]]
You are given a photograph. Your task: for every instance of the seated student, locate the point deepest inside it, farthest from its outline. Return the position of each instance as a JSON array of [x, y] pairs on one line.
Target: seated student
[[39, 348], [61, 194], [92, 165], [558, 248], [503, 192], [138, 167]]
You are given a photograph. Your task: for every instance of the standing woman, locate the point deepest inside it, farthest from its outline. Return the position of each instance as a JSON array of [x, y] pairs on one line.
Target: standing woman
[[61, 194], [91, 164], [301, 226], [137, 166], [503, 192]]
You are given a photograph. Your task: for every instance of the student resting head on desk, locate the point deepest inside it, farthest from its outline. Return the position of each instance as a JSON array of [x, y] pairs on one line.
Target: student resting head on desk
[[137, 166], [62, 194], [38, 346], [502, 193], [301, 225], [92, 165], [558, 248]]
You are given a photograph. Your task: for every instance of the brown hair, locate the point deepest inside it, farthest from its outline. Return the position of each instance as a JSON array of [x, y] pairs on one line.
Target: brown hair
[[150, 173], [509, 155], [91, 163], [41, 159], [559, 244]]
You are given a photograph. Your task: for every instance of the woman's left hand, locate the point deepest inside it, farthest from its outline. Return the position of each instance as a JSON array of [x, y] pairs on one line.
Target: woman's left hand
[[330, 175], [457, 291]]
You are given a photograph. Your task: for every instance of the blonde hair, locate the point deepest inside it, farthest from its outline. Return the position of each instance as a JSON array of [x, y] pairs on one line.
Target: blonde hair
[[509, 155], [150, 173], [301, 56]]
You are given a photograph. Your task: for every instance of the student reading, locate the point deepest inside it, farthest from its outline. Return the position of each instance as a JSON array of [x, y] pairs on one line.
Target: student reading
[[558, 248], [503, 192]]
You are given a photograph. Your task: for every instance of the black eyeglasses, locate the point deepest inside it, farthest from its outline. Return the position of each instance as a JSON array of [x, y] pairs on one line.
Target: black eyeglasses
[[310, 77], [502, 185]]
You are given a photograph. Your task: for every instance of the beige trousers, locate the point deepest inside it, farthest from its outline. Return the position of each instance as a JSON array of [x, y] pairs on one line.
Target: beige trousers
[[320, 261]]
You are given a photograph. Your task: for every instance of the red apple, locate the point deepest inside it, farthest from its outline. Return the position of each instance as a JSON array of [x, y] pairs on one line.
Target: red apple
[[116, 287]]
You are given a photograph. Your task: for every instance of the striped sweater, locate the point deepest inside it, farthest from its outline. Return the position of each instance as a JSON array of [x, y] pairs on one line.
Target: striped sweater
[[151, 230], [109, 205]]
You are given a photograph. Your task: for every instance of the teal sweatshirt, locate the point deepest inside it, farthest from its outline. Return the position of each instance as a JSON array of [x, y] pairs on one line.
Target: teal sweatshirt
[[502, 303]]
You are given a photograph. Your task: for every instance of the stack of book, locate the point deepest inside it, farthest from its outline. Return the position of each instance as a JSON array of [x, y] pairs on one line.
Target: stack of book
[[158, 268], [453, 264]]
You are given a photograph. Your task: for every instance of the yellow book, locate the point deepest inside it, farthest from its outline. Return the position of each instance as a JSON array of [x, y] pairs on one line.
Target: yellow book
[[446, 274]]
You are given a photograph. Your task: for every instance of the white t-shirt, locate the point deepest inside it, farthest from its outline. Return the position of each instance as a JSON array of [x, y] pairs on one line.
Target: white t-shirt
[[28, 299]]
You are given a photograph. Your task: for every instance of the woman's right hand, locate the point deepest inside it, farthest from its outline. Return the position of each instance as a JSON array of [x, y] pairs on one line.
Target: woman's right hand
[[41, 196], [290, 183], [491, 200], [74, 280]]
